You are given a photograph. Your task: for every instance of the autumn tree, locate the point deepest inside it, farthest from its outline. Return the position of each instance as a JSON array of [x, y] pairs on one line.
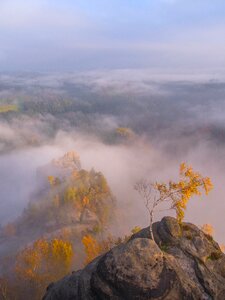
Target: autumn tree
[[70, 160], [177, 194], [208, 229], [222, 247], [8, 108], [43, 262], [73, 197], [125, 132], [53, 181], [89, 191], [94, 247]]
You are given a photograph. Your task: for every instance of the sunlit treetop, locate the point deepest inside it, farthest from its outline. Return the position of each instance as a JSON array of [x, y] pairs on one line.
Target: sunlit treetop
[[70, 160], [44, 261], [208, 229], [8, 108], [176, 193], [94, 247], [190, 184], [125, 132]]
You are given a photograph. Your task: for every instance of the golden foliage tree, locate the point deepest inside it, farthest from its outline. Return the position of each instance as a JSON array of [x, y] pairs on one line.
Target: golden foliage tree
[[208, 229], [75, 196], [70, 160], [89, 191], [53, 181], [80, 191], [125, 132], [43, 262], [94, 247], [178, 193], [8, 108], [222, 247]]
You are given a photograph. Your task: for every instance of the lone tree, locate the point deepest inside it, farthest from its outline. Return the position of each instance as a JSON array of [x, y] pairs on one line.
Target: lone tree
[[177, 194]]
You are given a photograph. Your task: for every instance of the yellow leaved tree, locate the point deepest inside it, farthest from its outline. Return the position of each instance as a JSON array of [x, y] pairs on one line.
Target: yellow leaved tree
[[8, 108], [178, 193], [94, 247], [208, 229], [43, 262]]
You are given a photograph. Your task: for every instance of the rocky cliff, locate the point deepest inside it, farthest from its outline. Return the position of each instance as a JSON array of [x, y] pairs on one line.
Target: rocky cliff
[[182, 263]]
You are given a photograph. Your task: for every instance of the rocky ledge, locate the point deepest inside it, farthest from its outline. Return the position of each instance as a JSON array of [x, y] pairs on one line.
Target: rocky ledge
[[182, 263]]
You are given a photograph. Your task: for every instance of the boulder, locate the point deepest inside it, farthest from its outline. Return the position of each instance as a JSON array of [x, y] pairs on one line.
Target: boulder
[[182, 263]]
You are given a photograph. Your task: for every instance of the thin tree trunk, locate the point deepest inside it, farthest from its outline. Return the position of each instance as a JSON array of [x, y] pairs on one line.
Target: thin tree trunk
[[150, 225]]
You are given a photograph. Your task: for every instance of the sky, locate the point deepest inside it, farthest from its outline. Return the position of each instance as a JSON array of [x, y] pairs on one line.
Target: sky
[[68, 35]]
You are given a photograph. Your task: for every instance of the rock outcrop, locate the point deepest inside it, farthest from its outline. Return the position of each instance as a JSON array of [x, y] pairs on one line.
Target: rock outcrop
[[182, 263]]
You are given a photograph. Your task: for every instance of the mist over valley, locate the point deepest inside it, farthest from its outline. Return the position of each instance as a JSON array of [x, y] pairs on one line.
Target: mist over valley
[[169, 121]]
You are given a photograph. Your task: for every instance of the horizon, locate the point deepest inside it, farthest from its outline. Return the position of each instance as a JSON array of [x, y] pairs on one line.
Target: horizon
[[47, 36]]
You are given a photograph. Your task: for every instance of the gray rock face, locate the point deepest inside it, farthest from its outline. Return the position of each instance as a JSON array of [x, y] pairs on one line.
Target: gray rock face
[[183, 263]]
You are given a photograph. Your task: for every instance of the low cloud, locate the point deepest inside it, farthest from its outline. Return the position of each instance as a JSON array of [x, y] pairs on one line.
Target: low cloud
[[170, 120]]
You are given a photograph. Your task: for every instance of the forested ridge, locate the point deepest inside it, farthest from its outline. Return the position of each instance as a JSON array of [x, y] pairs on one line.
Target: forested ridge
[[56, 230]]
